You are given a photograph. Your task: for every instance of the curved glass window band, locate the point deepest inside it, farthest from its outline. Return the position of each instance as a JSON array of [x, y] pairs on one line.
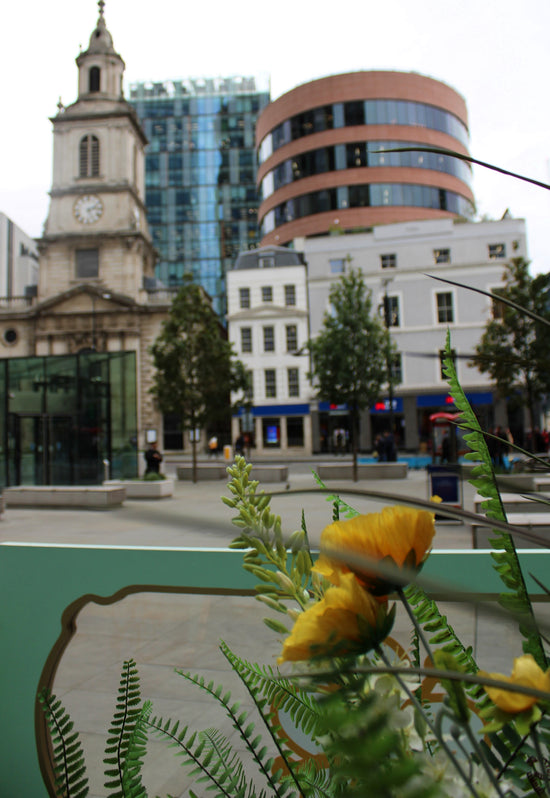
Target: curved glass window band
[[371, 195], [363, 154], [366, 112]]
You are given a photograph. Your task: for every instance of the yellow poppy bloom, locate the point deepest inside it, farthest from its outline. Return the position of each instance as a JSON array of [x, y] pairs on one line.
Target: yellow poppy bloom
[[525, 672], [400, 535], [346, 619]]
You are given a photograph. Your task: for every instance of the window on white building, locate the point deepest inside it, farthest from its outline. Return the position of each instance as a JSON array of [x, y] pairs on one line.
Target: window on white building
[[388, 261], [337, 265], [391, 311], [445, 312], [269, 339], [397, 368], [293, 382], [246, 339], [291, 338], [442, 255], [270, 384], [290, 294], [497, 251], [244, 297], [442, 356], [267, 293]]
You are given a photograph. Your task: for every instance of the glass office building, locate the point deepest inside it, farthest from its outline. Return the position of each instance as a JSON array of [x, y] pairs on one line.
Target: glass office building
[[68, 419], [201, 196]]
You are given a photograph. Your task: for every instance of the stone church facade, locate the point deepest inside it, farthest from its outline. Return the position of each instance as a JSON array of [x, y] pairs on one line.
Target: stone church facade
[[97, 303]]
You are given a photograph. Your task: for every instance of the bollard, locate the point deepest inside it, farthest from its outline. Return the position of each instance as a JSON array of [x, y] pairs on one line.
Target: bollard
[[106, 465]]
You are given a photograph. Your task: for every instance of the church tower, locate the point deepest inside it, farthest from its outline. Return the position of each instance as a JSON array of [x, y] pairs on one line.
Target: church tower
[[96, 231]]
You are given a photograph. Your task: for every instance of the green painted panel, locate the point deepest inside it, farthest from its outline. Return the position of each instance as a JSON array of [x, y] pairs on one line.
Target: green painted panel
[[38, 583]]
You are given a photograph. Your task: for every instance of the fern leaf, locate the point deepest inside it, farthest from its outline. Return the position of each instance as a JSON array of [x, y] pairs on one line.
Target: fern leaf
[[507, 563], [68, 760]]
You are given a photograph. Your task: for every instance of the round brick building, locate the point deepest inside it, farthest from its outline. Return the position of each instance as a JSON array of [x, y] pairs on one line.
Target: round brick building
[[324, 160]]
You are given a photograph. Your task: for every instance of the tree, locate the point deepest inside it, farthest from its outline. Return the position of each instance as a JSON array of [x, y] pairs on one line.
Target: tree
[[514, 347], [195, 367], [351, 354]]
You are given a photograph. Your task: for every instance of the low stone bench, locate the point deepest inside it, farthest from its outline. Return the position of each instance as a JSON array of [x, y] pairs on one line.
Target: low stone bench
[[95, 496], [144, 488], [365, 471], [542, 484], [531, 522], [214, 471], [514, 503], [525, 483], [205, 472]]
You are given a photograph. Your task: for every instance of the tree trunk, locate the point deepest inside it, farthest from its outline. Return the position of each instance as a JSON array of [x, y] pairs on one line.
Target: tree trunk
[[354, 442], [193, 451]]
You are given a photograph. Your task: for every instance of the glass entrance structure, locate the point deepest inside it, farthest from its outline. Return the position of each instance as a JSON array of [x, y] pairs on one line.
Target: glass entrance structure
[[68, 419]]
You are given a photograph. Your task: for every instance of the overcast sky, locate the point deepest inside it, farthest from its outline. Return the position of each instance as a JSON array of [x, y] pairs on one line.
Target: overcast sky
[[496, 54]]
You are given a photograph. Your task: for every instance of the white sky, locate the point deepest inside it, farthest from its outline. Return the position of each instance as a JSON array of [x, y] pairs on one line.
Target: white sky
[[494, 52]]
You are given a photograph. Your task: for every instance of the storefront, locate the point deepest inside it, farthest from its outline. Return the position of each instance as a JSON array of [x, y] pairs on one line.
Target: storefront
[[68, 419], [275, 427]]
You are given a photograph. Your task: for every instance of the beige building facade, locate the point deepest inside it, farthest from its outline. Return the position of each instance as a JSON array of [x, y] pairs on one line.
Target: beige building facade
[[97, 296]]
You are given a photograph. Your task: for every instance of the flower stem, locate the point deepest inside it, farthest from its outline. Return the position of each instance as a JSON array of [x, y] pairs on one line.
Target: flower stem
[[481, 756], [536, 742], [418, 706]]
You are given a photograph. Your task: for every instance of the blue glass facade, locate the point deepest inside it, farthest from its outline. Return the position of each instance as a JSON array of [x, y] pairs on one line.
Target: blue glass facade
[[201, 196]]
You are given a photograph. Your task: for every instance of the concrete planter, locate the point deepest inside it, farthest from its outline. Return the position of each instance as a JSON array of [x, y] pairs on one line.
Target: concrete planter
[[144, 489]]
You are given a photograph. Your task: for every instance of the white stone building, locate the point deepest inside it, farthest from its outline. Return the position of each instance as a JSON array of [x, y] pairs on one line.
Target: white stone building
[[18, 260], [400, 260], [268, 326]]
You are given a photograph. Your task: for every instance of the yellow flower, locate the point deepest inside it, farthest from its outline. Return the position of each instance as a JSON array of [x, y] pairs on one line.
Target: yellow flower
[[525, 672], [346, 619], [400, 535]]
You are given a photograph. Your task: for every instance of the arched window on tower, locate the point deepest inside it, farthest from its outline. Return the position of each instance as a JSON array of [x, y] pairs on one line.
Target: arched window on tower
[[89, 156], [94, 81]]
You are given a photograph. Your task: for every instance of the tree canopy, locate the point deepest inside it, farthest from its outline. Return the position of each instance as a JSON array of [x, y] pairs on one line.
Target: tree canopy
[[350, 356], [514, 347], [196, 370]]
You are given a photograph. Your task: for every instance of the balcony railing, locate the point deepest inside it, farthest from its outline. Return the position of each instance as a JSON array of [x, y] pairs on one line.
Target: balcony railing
[[11, 303]]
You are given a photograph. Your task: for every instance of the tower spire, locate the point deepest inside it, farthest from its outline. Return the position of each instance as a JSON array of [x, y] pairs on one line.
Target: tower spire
[[101, 5]]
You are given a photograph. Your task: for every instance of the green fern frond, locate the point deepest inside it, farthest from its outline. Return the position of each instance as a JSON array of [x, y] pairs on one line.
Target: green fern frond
[[125, 747], [443, 635], [340, 507], [279, 692], [506, 560], [68, 757], [244, 728], [197, 754]]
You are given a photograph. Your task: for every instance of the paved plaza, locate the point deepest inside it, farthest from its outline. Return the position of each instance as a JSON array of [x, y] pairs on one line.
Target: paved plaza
[[166, 631]]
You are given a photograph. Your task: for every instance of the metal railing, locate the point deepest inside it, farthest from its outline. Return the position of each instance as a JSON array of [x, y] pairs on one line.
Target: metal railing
[[10, 303]]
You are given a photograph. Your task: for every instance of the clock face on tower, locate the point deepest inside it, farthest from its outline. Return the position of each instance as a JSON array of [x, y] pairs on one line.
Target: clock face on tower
[[88, 209]]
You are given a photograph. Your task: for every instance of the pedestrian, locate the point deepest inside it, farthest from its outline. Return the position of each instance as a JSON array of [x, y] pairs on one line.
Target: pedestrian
[[213, 446], [239, 445], [153, 458]]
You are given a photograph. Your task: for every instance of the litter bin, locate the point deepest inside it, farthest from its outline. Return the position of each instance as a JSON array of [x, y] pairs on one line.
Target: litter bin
[[445, 481], [228, 452]]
